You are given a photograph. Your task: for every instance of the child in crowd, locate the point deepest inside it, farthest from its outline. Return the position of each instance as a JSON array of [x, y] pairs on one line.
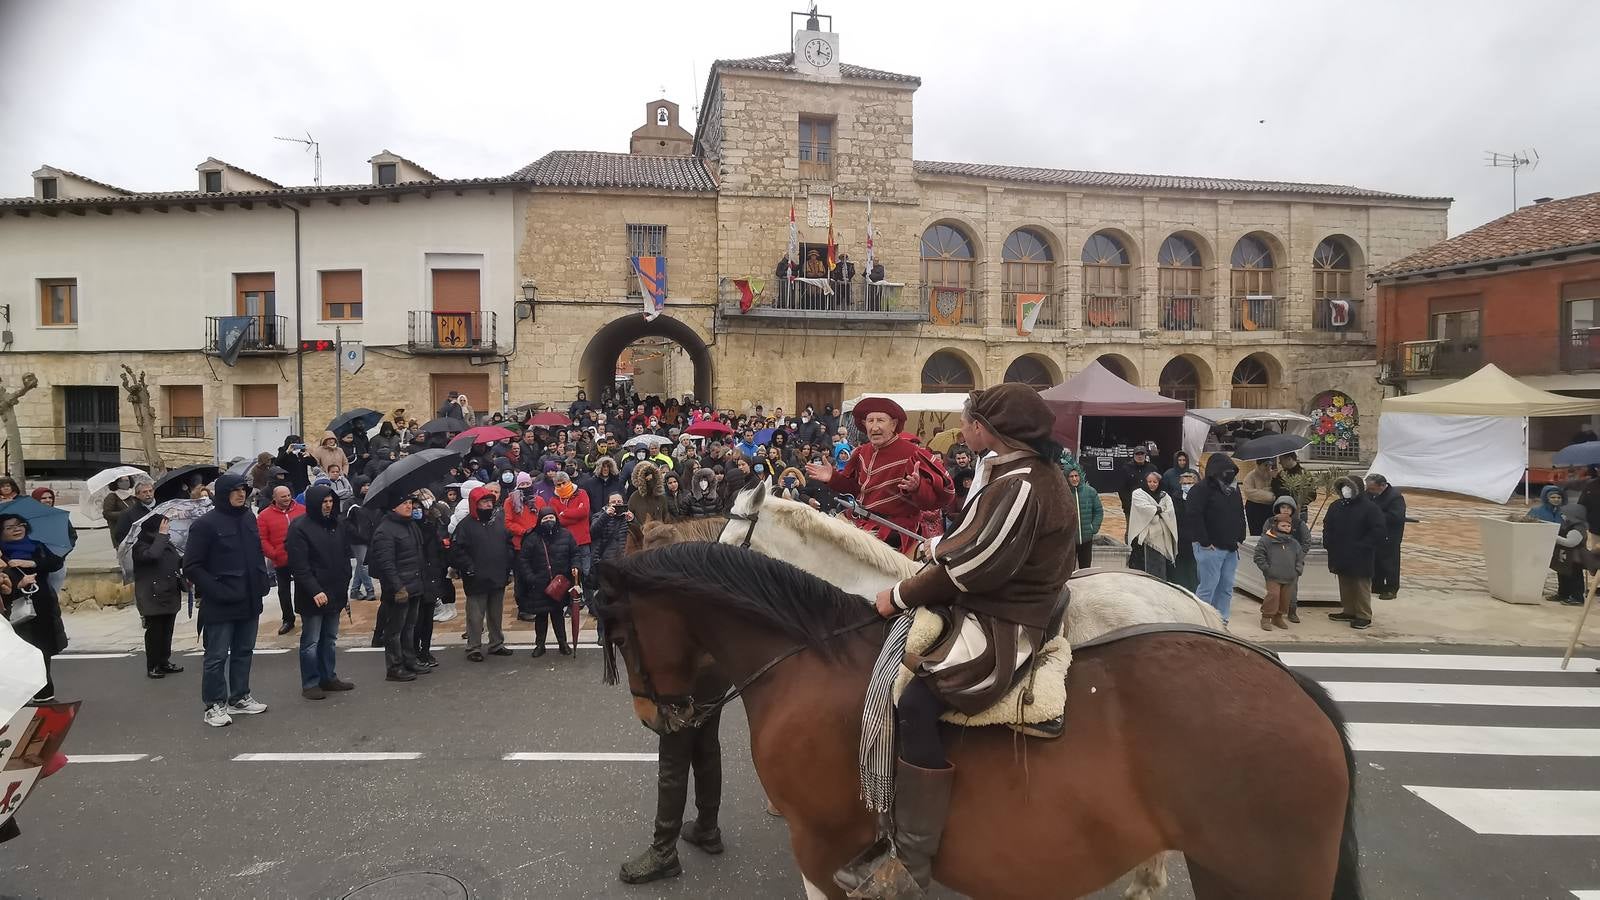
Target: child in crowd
[[1281, 559]]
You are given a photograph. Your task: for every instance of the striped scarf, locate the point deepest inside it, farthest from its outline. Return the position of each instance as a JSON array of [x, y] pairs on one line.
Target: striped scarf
[[877, 754]]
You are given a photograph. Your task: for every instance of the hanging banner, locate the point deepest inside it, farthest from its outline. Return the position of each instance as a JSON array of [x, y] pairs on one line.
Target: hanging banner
[[652, 272], [1028, 308], [352, 356], [452, 329], [232, 334], [947, 305]]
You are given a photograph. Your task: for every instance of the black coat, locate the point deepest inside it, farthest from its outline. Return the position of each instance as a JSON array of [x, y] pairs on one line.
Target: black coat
[[224, 562], [319, 558], [126, 521], [1352, 531], [599, 488], [396, 556], [482, 553], [45, 630], [608, 535], [1215, 510], [544, 556], [1392, 504], [157, 575], [1132, 476]]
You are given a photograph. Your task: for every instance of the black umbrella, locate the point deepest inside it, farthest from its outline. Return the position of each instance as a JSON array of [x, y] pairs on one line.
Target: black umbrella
[[1270, 446], [408, 474], [175, 484], [444, 426], [350, 420]]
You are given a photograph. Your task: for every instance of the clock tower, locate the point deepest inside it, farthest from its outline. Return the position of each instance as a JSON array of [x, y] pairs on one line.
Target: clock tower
[[816, 52]]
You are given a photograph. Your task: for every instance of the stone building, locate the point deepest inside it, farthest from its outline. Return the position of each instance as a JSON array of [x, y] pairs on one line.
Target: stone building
[[1218, 291]]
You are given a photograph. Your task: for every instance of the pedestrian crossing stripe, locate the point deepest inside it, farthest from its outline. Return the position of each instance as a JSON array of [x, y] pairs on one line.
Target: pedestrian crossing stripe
[[1463, 694], [1517, 812], [1439, 661], [1478, 740]]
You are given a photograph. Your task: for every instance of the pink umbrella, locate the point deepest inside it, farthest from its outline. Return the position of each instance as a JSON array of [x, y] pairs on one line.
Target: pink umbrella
[[549, 419], [483, 434], [709, 428]]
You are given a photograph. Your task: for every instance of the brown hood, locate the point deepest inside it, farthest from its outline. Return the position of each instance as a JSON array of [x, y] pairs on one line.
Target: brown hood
[[647, 477], [1014, 412]]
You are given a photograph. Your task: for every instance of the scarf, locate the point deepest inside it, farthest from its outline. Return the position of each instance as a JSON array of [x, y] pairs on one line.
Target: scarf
[[876, 756], [22, 549], [1151, 524], [565, 491]]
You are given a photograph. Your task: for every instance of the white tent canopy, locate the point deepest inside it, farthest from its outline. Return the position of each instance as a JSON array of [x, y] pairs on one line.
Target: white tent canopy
[[1470, 437], [1197, 425], [1491, 392]]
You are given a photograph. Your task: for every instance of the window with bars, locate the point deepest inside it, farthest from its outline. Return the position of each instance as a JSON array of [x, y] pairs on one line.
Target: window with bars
[[643, 240]]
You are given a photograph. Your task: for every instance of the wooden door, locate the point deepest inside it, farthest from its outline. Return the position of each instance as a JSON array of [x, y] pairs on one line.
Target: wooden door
[[474, 385], [457, 302], [818, 394]]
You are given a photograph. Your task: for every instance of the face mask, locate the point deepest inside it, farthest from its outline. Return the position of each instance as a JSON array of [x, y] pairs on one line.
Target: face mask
[[1227, 477], [789, 482], [1347, 492], [761, 470], [704, 485], [640, 455], [485, 515], [416, 515], [547, 525], [1185, 489], [805, 420]]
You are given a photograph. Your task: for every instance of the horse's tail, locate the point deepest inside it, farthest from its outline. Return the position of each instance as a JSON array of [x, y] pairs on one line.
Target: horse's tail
[[1347, 877]]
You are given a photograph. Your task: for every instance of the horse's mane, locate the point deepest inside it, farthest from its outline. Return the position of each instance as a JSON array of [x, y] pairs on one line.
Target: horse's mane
[[861, 545], [662, 534], [802, 606]]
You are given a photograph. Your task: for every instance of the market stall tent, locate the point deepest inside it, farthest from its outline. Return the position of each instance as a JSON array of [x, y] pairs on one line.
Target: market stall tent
[[1470, 437], [1097, 408], [1197, 425]]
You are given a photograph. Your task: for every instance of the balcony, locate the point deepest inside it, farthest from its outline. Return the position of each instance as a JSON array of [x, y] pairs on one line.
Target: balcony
[[193, 428], [1052, 313], [1185, 314], [1106, 311], [821, 300], [1580, 350], [1440, 359], [951, 305], [1256, 313], [1340, 316], [446, 332], [264, 335]]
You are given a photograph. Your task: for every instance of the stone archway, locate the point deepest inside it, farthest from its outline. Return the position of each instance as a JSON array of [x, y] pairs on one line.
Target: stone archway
[[598, 366]]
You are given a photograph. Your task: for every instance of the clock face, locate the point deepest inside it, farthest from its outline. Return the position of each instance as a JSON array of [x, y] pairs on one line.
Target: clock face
[[819, 53]]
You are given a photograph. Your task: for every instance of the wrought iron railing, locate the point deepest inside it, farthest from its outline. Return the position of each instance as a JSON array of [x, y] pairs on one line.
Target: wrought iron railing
[[953, 305], [1110, 311], [1052, 312], [451, 331], [192, 428], [1580, 352], [820, 300], [1330, 314], [1256, 313], [263, 334], [1441, 358], [1184, 314]]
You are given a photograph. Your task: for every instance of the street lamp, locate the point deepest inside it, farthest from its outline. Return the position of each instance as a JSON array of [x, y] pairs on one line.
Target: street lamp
[[530, 291]]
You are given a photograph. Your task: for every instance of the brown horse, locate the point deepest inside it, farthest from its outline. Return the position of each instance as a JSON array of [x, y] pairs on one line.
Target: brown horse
[[1173, 741]]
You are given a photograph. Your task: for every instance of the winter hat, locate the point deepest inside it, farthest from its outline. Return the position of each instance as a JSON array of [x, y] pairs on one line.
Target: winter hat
[[524, 480], [480, 493], [39, 492], [1013, 412]]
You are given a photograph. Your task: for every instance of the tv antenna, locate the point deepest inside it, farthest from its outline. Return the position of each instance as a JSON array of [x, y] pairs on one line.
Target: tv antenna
[[1515, 162], [316, 151]]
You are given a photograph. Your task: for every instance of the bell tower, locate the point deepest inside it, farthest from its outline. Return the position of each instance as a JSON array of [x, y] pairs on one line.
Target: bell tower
[[661, 135], [816, 52]]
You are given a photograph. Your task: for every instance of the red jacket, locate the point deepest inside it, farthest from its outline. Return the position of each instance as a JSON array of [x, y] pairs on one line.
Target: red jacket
[[521, 525], [273, 523], [873, 477], [573, 514]]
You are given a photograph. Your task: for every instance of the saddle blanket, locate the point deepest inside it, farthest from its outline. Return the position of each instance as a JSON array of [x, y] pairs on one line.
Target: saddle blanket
[[1027, 703]]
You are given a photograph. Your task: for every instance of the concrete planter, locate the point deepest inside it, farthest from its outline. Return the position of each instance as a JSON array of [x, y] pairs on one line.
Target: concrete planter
[[1517, 557], [1317, 586]]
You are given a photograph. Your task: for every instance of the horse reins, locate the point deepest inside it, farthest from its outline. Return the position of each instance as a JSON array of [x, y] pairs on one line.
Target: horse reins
[[667, 705]]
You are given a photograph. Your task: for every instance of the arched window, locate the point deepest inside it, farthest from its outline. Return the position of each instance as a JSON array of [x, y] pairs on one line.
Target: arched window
[[1026, 263], [1105, 267], [1334, 431], [946, 257], [1031, 371], [945, 373], [1330, 270], [1178, 268], [1252, 267], [1252, 384], [1180, 381]]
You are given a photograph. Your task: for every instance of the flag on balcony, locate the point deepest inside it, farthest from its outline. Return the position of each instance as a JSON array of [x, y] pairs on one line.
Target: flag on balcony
[[1338, 313], [652, 272], [794, 241], [831, 260], [232, 333], [1028, 309], [867, 274], [748, 289]]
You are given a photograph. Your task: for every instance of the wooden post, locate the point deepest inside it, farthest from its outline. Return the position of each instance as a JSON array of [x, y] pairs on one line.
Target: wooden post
[[144, 413], [16, 459]]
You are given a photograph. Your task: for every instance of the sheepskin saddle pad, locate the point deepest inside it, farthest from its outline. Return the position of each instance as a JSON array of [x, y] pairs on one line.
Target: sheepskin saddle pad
[[1030, 702]]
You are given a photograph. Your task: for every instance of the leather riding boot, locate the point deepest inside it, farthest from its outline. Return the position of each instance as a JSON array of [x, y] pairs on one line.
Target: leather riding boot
[[660, 860], [921, 804]]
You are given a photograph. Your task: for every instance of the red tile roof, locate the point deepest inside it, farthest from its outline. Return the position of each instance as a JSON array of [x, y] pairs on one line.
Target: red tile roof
[[594, 169], [1088, 179], [784, 62], [1542, 228]]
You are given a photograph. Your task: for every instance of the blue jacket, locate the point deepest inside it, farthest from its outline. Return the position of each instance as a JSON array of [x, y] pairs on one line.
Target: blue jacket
[[224, 562], [1543, 510]]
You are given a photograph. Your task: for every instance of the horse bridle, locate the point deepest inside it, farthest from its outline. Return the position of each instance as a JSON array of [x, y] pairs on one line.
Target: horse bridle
[[750, 532], [681, 711]]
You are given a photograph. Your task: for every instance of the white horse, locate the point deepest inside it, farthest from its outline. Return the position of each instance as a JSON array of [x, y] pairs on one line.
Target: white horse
[[858, 563]]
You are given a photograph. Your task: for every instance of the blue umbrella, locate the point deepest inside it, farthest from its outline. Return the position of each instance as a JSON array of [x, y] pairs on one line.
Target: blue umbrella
[[764, 435], [1585, 454], [47, 524]]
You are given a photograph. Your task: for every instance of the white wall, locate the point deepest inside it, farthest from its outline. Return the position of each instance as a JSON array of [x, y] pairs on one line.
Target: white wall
[[148, 281]]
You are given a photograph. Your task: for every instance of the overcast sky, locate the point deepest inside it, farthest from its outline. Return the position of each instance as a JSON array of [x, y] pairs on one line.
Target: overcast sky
[[1401, 96]]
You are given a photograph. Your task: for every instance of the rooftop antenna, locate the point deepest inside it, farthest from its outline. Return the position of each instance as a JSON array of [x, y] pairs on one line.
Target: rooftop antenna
[[1515, 162], [316, 150]]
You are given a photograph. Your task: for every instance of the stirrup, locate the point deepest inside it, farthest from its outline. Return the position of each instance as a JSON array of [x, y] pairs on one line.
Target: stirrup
[[877, 873]]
